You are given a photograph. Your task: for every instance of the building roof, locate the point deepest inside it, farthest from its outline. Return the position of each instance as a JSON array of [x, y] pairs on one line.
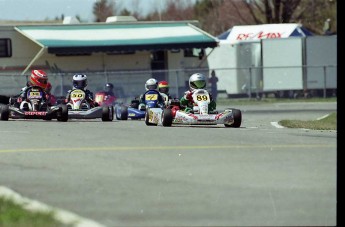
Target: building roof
[[111, 37]]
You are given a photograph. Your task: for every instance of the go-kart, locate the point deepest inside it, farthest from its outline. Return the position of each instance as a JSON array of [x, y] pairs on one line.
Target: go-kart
[[123, 112], [200, 115], [33, 106], [79, 108]]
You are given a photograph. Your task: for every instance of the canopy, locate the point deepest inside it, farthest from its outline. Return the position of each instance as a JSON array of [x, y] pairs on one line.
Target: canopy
[[252, 33], [106, 37]]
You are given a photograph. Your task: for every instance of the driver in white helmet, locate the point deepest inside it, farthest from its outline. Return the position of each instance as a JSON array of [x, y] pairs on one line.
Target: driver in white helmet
[[196, 81], [151, 85], [80, 82]]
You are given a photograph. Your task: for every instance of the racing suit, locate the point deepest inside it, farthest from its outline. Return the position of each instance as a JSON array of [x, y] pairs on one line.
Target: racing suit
[[187, 102], [143, 100]]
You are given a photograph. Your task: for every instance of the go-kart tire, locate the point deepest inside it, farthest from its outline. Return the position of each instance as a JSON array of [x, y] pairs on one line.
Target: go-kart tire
[[121, 112], [237, 114], [62, 114], [147, 122], [107, 113], [167, 117], [117, 116], [4, 112], [124, 113]]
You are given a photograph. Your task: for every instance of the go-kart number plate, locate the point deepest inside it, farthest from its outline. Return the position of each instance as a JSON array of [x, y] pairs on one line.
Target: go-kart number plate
[[99, 98], [34, 95], [202, 97], [151, 96], [78, 94]]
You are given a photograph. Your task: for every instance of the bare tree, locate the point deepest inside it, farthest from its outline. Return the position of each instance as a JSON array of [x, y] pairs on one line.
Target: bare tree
[[102, 10], [217, 16]]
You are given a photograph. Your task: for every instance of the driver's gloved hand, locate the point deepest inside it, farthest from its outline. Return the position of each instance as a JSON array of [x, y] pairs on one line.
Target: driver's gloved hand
[[142, 106]]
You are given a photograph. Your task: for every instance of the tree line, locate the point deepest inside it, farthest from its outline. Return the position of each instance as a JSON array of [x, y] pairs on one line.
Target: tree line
[[217, 16]]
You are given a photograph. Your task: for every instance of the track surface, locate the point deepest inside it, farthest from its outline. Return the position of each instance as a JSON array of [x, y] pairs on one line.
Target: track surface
[[124, 173]]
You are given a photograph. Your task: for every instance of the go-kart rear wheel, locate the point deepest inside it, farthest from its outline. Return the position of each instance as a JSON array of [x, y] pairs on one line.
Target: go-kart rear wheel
[[4, 112], [167, 117], [237, 115], [107, 113], [62, 114], [147, 118]]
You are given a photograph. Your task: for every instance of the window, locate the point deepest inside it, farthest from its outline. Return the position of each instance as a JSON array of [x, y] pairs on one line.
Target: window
[[5, 48], [194, 52]]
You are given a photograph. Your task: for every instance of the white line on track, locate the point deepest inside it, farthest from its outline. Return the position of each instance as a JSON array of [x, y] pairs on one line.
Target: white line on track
[[275, 124], [62, 216], [324, 116]]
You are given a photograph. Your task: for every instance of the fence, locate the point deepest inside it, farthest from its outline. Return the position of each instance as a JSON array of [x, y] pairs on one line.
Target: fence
[[246, 82]]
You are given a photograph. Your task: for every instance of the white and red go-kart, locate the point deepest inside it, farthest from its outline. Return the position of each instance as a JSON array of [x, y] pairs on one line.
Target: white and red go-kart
[[200, 115], [79, 108]]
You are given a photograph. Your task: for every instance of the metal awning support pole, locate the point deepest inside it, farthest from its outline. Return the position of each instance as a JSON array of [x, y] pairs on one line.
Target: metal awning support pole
[[205, 57], [38, 55]]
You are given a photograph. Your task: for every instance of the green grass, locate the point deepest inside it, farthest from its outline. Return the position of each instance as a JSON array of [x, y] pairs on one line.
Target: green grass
[[327, 123], [12, 215]]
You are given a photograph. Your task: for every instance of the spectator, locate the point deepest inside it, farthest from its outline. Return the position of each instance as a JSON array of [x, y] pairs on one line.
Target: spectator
[[213, 80]]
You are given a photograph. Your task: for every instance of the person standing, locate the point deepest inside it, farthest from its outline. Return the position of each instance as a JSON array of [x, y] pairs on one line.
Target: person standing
[[213, 80]]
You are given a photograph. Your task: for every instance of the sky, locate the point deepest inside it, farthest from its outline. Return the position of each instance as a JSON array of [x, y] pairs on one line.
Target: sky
[[39, 10]]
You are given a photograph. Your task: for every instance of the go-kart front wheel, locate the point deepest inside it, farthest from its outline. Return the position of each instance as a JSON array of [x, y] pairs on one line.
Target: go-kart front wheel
[[121, 112], [4, 112], [167, 117], [237, 115], [107, 113], [62, 114]]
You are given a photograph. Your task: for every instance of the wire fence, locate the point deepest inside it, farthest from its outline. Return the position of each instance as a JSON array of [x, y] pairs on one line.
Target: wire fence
[[245, 82]]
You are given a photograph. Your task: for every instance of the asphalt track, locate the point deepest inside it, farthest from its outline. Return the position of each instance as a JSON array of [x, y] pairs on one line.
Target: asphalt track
[[124, 173]]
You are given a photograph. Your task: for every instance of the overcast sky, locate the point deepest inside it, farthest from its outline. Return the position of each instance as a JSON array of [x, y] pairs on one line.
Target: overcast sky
[[38, 10]]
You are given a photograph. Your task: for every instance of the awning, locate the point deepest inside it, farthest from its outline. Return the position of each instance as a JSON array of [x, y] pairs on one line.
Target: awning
[[102, 37]]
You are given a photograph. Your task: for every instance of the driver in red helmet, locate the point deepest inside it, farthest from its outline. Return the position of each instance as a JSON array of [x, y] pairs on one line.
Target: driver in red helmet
[[38, 78], [163, 88]]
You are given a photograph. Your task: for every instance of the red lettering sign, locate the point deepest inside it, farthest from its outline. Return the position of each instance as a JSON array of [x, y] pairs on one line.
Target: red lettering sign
[[35, 113], [259, 35]]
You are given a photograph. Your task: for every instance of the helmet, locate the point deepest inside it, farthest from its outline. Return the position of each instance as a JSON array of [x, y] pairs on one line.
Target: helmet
[[79, 81], [151, 84], [49, 87], [197, 81], [163, 87], [38, 78], [108, 87]]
